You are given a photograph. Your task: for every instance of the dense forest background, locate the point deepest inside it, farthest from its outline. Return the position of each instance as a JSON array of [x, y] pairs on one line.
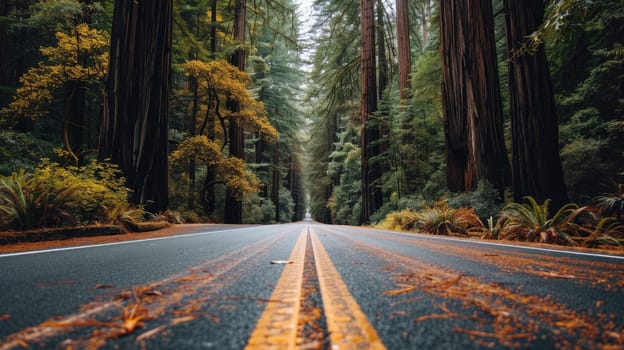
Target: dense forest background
[[226, 111], [68, 98], [422, 156]]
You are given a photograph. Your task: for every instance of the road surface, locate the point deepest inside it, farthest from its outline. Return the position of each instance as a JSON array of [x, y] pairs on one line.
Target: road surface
[[310, 286]]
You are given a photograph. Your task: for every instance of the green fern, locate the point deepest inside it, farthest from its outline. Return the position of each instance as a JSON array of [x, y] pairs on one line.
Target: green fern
[[531, 222]]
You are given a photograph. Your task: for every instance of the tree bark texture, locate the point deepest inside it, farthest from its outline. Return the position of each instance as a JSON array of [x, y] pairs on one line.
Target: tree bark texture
[[381, 52], [275, 182], [75, 121], [135, 114], [471, 100], [536, 165], [405, 56], [233, 206], [4, 73], [368, 105]]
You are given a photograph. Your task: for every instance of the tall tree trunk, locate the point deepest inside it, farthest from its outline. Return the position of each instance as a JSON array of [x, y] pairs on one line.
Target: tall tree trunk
[[536, 165], [261, 158], [368, 105], [4, 70], [293, 185], [473, 122], [332, 137], [405, 55], [135, 115], [381, 52], [75, 122], [382, 126], [192, 131], [233, 206], [211, 173], [275, 183]]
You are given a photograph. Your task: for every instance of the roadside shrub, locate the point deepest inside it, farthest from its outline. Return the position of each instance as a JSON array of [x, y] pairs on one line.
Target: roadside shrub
[[606, 230], [286, 205], [396, 204], [258, 210], [612, 203], [444, 220], [403, 220], [439, 219], [381, 213], [531, 222], [105, 198], [44, 198], [485, 200], [56, 196]]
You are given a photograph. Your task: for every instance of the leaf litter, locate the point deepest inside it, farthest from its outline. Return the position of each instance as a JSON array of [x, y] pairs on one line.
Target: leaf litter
[[175, 300], [510, 318]]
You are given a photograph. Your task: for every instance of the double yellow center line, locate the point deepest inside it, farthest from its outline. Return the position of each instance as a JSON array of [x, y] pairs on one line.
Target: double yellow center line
[[347, 325]]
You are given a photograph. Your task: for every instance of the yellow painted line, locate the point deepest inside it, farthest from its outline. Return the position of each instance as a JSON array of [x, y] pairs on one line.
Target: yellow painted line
[[347, 325], [277, 327]]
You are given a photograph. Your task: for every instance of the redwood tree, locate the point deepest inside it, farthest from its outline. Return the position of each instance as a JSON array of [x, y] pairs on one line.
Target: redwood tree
[[536, 165], [371, 199], [135, 114], [233, 206], [405, 57], [4, 10], [473, 123]]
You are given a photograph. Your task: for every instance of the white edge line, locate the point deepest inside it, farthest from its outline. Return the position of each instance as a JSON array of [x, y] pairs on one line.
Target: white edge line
[[118, 243], [434, 237]]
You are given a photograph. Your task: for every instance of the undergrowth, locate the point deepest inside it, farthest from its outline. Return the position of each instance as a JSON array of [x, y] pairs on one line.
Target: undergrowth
[[52, 196], [528, 222]]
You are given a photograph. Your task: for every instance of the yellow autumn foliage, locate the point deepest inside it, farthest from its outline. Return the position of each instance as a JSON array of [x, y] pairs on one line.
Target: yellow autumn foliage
[[81, 55], [198, 147], [219, 82], [231, 171]]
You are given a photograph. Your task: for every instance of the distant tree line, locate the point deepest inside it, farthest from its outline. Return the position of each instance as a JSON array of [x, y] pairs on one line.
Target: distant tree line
[[433, 99]]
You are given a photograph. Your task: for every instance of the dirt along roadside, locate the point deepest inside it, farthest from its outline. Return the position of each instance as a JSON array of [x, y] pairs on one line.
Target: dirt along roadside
[[172, 230]]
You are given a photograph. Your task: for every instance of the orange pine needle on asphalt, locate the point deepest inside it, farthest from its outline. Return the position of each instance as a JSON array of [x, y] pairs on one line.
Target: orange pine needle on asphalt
[[500, 336], [151, 333], [133, 316], [438, 317], [396, 292]]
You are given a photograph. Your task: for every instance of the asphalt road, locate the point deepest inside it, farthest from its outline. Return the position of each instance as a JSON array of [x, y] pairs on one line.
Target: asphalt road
[[329, 287]]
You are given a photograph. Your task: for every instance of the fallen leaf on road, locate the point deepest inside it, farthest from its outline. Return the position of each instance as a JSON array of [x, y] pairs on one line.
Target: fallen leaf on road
[[185, 319], [499, 336], [399, 291], [151, 333], [280, 262], [438, 316], [4, 317], [133, 316], [552, 274]]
